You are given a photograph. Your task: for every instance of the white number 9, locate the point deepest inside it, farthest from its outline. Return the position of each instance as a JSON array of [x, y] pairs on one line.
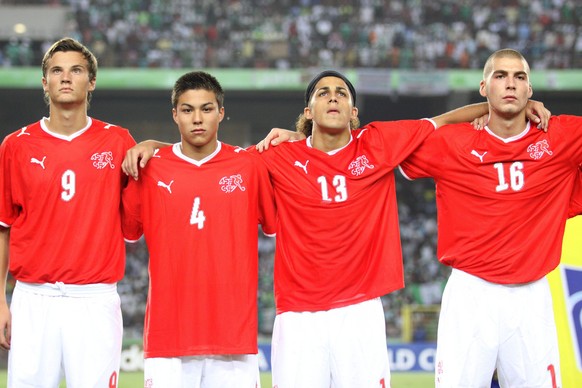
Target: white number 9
[[68, 184]]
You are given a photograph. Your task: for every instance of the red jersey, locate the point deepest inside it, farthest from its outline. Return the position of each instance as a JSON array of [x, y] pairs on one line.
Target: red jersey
[[200, 223], [338, 238], [576, 199], [61, 198], [502, 203]]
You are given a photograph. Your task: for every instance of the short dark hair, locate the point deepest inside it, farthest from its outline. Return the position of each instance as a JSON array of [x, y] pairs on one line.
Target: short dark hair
[[196, 80]]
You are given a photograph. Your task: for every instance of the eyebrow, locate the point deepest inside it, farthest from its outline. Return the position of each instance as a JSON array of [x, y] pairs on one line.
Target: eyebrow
[[505, 72], [327, 88], [204, 105]]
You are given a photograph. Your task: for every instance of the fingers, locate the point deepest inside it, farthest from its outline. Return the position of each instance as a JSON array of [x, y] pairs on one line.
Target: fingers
[[538, 114], [273, 138], [5, 336], [130, 163], [137, 157], [145, 156], [480, 122], [261, 146]]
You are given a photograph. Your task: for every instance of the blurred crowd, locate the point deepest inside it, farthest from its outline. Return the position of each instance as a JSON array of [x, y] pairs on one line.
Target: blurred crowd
[[400, 34]]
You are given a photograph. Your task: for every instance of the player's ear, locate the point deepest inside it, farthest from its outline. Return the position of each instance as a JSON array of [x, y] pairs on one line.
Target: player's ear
[[92, 84], [220, 114], [483, 88], [307, 113], [175, 115]]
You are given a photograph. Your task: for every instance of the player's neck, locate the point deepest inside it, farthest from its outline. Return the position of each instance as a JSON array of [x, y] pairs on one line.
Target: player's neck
[[66, 121], [198, 152], [506, 127], [328, 141]]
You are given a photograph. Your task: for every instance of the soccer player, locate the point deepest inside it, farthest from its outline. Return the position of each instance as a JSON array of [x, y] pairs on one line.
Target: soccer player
[[201, 203], [63, 234], [502, 198], [336, 190]]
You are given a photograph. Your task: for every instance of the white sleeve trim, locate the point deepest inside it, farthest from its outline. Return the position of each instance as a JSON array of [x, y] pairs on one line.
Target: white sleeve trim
[[432, 121], [131, 241], [404, 174]]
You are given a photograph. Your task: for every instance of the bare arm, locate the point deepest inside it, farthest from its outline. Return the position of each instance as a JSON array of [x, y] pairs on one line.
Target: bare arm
[[140, 153], [479, 112], [277, 136], [5, 316]]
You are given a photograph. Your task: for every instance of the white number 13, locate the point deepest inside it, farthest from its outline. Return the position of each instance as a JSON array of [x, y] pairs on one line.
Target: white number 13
[[339, 182]]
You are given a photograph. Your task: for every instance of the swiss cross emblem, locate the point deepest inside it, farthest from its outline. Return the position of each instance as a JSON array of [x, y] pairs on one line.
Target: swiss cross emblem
[[359, 165], [102, 160], [537, 150], [231, 183]]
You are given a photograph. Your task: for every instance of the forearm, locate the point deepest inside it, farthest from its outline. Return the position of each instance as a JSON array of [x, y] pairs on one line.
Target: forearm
[[463, 114], [4, 244], [154, 143]]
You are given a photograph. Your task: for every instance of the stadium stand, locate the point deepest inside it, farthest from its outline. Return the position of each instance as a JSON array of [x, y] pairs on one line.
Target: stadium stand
[[414, 34]]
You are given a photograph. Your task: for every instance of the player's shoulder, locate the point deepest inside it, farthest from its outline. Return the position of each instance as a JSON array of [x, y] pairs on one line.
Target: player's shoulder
[[565, 121], [109, 128], [465, 127], [394, 125], [22, 133], [243, 155]]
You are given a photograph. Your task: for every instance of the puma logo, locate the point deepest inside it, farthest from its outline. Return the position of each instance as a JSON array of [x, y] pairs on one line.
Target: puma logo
[[166, 186], [475, 153], [23, 132], [303, 166], [36, 161]]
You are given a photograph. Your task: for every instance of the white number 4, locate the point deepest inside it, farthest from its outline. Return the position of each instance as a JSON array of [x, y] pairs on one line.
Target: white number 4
[[197, 216]]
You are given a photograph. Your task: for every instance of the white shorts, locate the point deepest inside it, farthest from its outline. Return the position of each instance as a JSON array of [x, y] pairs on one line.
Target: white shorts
[[338, 348], [56, 328], [202, 371], [485, 326]]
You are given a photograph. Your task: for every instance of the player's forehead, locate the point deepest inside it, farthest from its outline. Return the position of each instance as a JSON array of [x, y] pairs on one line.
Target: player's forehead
[[508, 65], [331, 83], [197, 97], [66, 59]]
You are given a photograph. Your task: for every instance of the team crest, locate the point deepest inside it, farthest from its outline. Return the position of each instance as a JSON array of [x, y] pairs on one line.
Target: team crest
[[537, 150], [102, 160], [231, 183], [359, 165]]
